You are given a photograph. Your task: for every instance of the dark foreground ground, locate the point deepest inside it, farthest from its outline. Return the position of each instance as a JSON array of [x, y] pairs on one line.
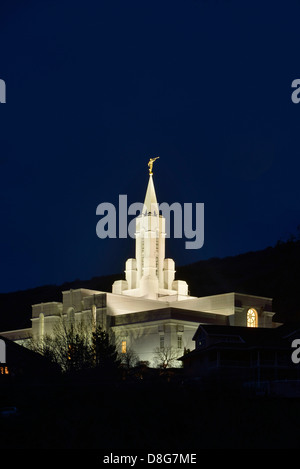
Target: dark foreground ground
[[143, 415]]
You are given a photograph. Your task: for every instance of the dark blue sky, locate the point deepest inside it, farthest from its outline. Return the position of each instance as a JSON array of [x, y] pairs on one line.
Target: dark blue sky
[[95, 88]]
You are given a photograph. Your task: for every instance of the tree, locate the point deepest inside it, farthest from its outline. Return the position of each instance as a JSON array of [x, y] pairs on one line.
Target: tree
[[167, 357], [68, 346], [105, 355], [76, 346], [129, 359]]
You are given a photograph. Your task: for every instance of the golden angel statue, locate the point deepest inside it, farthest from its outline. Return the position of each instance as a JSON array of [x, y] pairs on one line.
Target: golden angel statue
[[150, 164]]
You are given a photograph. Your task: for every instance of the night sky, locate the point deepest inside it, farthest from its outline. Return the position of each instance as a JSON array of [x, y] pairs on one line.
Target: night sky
[[96, 88]]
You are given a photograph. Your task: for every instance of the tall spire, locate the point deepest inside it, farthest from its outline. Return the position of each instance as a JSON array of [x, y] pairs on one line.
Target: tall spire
[[150, 202], [150, 275]]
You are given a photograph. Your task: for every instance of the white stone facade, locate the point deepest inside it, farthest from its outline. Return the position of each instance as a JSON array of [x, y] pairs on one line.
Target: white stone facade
[[145, 324]]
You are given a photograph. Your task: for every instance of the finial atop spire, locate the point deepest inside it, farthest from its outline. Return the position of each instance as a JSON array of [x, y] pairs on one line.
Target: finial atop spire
[[150, 164]]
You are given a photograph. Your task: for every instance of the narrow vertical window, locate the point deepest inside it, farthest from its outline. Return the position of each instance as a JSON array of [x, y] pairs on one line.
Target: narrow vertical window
[[143, 253], [42, 325], [123, 346], [179, 341], [94, 317], [156, 252], [162, 342]]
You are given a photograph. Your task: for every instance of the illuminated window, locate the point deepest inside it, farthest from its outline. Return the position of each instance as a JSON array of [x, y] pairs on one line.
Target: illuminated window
[[123, 346], [4, 370], [179, 341], [251, 318]]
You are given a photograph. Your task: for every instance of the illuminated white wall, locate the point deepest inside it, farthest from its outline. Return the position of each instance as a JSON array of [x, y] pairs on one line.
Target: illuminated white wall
[[145, 338], [142, 322]]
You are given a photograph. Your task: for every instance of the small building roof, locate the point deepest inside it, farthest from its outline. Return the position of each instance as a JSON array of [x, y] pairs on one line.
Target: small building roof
[[246, 333]]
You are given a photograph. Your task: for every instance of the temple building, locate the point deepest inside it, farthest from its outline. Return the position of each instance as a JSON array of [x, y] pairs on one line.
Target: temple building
[[149, 310]]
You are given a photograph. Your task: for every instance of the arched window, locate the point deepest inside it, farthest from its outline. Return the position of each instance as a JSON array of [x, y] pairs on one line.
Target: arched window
[[251, 317]]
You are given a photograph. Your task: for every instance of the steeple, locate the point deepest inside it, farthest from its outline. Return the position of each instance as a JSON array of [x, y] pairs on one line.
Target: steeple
[[150, 243], [149, 274], [150, 202]]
